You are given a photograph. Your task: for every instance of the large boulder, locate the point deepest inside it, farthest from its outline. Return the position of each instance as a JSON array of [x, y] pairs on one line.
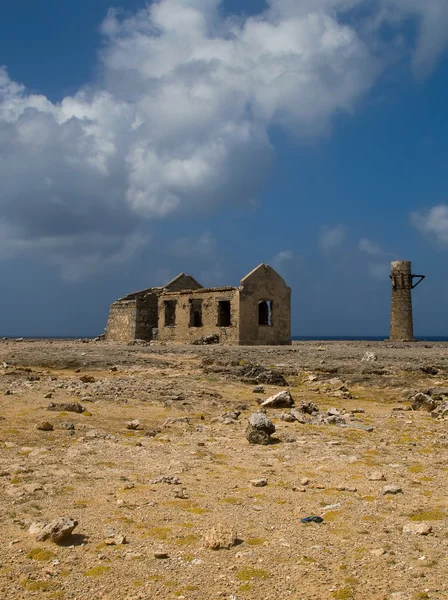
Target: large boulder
[[424, 402], [259, 429], [281, 400]]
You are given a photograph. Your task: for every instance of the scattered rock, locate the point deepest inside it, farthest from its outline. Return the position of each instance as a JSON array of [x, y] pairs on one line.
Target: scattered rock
[[423, 402], [182, 494], [281, 400], [378, 552], [116, 540], [259, 482], [206, 340], [176, 421], [346, 488], [220, 537], [304, 481], [257, 374], [392, 489], [170, 480], [161, 555], [48, 395], [66, 407], [8, 393], [259, 389], [135, 424], [369, 357], [429, 370], [57, 531], [67, 425], [259, 429], [44, 426], [228, 418], [87, 379], [288, 417], [376, 476], [417, 528]]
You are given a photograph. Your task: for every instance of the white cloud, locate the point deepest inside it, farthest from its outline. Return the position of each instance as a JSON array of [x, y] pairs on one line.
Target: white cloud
[[331, 237], [179, 119], [371, 248], [434, 223]]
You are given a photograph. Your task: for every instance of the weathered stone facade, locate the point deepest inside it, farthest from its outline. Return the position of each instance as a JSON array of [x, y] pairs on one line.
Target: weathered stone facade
[[256, 313], [401, 321]]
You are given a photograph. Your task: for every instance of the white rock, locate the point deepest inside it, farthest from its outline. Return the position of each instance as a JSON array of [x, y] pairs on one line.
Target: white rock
[[417, 528], [281, 400], [376, 476]]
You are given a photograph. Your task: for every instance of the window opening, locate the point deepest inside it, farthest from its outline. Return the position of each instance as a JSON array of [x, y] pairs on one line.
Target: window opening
[[195, 313], [224, 313], [170, 313], [265, 312]]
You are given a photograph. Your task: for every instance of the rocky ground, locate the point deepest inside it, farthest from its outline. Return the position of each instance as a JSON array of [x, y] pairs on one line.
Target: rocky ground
[[157, 471]]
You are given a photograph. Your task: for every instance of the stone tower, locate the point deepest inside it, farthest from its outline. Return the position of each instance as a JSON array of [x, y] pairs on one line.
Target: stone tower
[[401, 323]]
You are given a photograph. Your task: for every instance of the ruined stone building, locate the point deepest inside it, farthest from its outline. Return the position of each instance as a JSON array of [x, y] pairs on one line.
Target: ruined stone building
[[257, 312]]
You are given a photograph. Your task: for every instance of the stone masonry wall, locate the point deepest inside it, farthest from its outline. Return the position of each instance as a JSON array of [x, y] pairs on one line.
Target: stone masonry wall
[[264, 284], [183, 331], [146, 316], [401, 322], [122, 320]]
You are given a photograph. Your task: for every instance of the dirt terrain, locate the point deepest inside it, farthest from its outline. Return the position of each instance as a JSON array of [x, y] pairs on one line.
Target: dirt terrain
[[185, 475]]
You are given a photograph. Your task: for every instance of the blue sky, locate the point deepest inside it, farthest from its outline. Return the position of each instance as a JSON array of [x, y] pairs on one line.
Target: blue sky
[[208, 137]]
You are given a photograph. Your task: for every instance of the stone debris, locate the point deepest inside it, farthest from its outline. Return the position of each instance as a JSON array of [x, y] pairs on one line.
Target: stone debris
[[281, 400], [44, 426], [392, 489], [228, 418], [67, 425], [259, 429], [176, 421], [169, 479], [133, 425], [423, 402], [48, 395], [259, 482], [256, 374], [220, 537], [161, 555], [378, 552], [417, 529], [116, 540], [376, 476], [258, 389], [87, 379], [206, 340], [57, 531], [288, 417], [66, 407], [346, 488], [369, 357]]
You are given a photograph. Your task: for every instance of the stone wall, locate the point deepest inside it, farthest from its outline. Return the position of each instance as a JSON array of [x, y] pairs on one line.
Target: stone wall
[[204, 303], [146, 316], [401, 322], [264, 285], [121, 324], [182, 282]]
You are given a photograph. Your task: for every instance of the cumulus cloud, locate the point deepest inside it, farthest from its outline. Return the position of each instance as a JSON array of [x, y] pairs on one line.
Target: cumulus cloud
[[433, 223], [178, 120], [331, 237]]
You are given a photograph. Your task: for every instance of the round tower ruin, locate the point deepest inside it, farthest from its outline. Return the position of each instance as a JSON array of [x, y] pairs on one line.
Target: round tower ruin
[[401, 322]]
